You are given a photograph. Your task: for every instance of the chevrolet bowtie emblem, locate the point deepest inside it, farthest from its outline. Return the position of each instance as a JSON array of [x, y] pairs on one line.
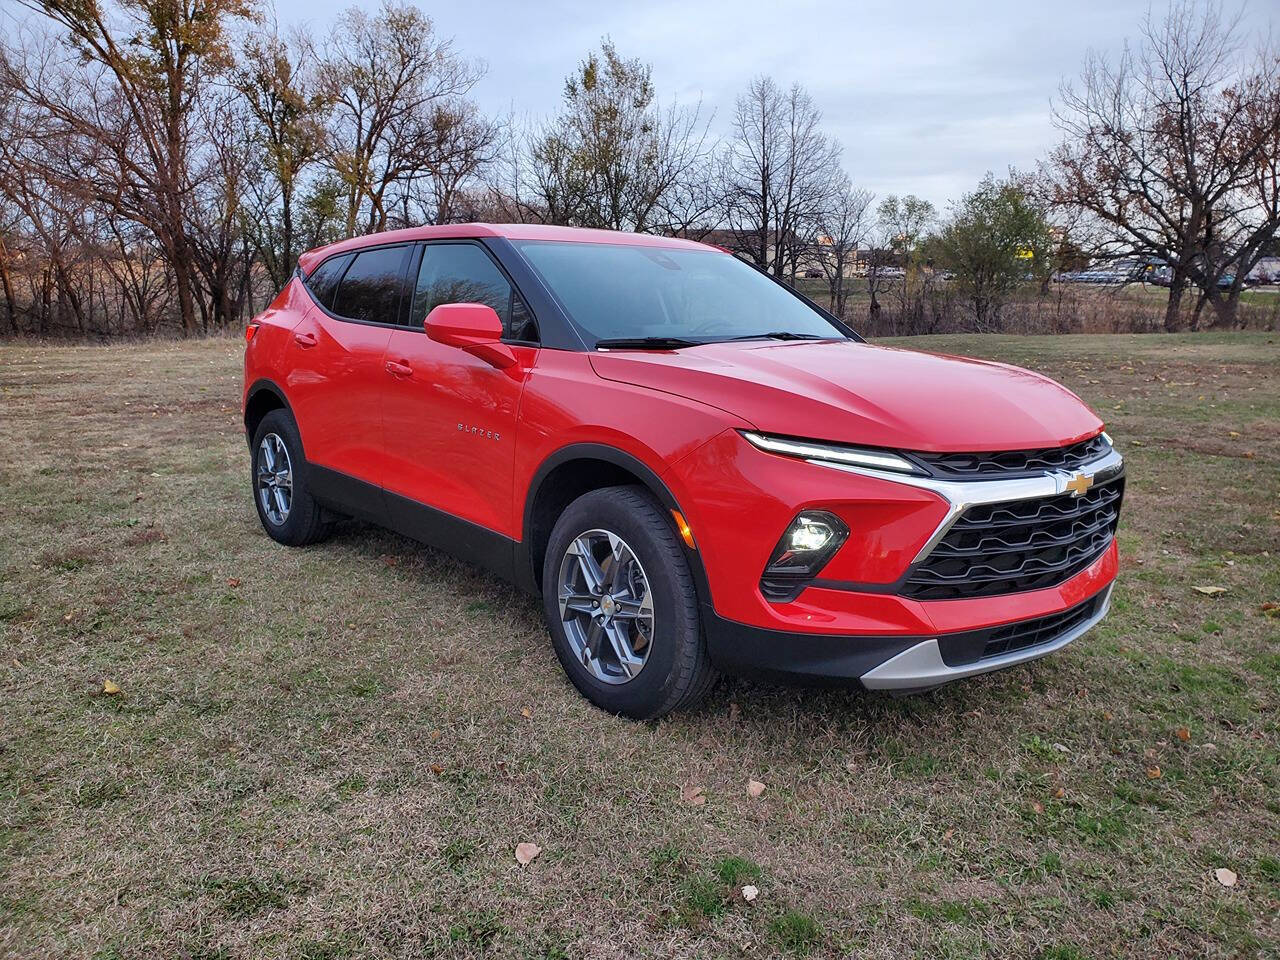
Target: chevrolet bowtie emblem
[[1079, 483]]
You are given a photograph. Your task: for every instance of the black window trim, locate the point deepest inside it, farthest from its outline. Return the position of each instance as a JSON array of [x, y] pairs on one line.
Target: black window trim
[[409, 281], [409, 247], [475, 242]]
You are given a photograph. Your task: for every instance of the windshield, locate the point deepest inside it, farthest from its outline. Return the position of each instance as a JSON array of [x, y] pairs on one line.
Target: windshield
[[625, 292]]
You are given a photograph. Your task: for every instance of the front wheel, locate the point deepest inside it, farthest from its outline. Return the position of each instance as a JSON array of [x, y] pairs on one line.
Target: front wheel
[[621, 606]]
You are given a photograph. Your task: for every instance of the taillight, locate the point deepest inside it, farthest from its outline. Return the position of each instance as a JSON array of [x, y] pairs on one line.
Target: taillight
[[249, 331]]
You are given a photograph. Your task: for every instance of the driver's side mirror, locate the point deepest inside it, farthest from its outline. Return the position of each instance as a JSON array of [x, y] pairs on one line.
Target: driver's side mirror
[[472, 327]]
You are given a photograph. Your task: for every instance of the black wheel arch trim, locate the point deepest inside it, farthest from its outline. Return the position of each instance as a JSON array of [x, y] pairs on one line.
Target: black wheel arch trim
[[258, 387], [527, 576]]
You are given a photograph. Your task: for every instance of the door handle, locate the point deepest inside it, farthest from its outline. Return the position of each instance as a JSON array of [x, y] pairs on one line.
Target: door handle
[[397, 369], [305, 339]]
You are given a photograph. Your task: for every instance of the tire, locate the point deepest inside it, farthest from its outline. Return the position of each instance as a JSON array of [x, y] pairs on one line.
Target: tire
[[304, 521], [675, 672]]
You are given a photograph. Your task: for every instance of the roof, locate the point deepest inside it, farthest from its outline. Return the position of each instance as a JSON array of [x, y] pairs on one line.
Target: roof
[[511, 231]]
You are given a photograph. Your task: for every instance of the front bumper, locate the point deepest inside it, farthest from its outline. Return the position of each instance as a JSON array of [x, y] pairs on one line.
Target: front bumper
[[894, 662]]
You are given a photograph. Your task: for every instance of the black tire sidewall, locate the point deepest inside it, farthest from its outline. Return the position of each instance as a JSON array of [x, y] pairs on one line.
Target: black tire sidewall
[[296, 527], [632, 514]]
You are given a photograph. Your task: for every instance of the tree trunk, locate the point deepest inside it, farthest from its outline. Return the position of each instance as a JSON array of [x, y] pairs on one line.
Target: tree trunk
[[1173, 309], [183, 280], [1224, 310], [9, 302]]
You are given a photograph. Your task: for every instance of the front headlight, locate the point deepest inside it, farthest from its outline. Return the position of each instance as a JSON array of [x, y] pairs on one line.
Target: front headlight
[[832, 453]]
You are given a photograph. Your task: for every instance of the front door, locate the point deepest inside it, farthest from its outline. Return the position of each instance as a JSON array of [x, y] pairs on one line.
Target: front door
[[449, 418], [337, 375]]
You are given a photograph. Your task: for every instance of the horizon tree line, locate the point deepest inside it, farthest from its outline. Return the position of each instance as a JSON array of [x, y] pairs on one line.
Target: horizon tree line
[[164, 162]]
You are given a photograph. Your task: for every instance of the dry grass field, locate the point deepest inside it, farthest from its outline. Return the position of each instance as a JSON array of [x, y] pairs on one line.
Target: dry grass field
[[332, 752]]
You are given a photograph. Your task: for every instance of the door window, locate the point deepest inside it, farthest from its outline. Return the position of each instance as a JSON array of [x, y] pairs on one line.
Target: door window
[[463, 273], [370, 291]]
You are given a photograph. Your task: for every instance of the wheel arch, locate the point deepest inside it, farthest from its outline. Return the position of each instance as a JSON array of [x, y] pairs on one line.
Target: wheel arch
[[566, 475], [259, 400]]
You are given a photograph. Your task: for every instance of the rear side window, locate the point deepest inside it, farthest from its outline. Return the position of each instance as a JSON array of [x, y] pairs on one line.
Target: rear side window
[[323, 281], [371, 289], [463, 273]]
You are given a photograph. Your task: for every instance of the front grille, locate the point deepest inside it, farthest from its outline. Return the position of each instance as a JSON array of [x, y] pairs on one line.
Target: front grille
[[1013, 463], [959, 649], [1018, 545]]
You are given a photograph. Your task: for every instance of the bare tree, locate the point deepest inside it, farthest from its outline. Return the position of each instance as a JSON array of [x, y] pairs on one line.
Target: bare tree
[[780, 172], [843, 228], [1163, 149], [286, 112], [115, 103], [614, 158], [398, 90], [903, 223]]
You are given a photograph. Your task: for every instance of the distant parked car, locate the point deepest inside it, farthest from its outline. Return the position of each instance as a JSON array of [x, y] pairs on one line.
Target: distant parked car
[[813, 274]]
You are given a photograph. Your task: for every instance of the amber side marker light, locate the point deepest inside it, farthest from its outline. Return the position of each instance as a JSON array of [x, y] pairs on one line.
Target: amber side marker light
[[249, 331], [682, 525]]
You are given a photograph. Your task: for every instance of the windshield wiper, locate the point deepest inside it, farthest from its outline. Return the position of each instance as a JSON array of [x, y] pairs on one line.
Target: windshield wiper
[[647, 343], [779, 335]]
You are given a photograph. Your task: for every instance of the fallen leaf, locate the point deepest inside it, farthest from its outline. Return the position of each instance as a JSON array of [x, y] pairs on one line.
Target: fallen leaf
[[1225, 876], [1153, 773], [1061, 748], [1233, 434], [1106, 715], [1209, 591], [948, 834], [233, 582], [437, 769], [1184, 733], [1059, 793], [749, 893], [17, 663], [692, 795], [754, 788], [110, 688], [526, 713], [526, 852], [1037, 806]]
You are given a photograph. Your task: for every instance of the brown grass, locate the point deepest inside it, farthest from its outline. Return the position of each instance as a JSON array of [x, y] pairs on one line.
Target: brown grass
[[324, 753]]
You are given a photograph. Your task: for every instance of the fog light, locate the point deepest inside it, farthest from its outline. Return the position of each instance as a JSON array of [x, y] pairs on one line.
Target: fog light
[[810, 533], [807, 544]]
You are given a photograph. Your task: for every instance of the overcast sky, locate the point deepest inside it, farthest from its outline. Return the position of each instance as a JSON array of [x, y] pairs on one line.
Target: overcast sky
[[925, 95]]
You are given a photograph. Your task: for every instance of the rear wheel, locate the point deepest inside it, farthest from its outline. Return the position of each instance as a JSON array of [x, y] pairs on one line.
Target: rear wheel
[[288, 512], [621, 606]]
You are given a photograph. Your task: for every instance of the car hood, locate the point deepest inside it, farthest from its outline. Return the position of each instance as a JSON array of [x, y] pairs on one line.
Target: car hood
[[851, 392]]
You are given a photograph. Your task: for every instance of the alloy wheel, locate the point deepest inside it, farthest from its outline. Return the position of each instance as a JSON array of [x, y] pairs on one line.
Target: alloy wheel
[[275, 479], [606, 606]]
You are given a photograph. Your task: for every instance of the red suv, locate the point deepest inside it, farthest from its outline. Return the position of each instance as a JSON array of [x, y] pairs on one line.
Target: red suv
[[697, 468]]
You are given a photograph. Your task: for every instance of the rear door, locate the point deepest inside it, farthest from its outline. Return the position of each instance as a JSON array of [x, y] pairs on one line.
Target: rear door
[[337, 379], [449, 418]]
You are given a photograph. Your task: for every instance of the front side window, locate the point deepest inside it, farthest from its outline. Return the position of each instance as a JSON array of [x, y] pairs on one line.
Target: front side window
[[463, 273], [370, 291], [625, 291]]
